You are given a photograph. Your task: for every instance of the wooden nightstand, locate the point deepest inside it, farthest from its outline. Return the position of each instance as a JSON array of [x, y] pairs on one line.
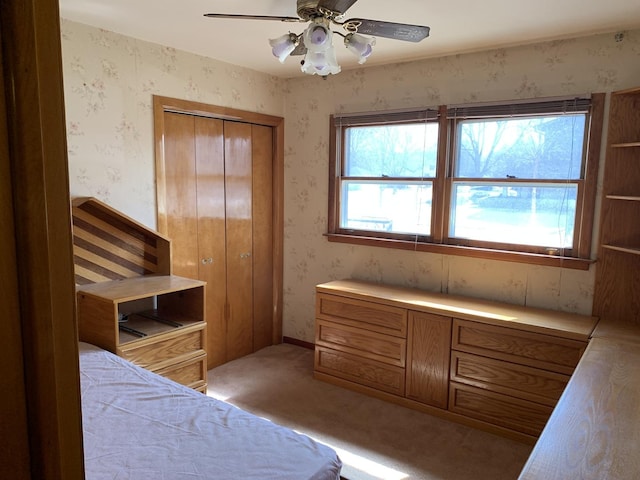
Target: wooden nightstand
[[156, 322]]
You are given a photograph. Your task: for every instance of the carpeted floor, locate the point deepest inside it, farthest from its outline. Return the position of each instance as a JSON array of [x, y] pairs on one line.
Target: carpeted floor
[[376, 440]]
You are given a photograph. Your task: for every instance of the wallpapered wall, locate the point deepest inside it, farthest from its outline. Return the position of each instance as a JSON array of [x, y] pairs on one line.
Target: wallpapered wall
[[575, 66], [109, 80]]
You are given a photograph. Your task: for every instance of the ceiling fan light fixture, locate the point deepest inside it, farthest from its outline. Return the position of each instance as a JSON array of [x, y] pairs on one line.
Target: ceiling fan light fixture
[[321, 63], [320, 58], [282, 47], [317, 36], [316, 42], [360, 45]]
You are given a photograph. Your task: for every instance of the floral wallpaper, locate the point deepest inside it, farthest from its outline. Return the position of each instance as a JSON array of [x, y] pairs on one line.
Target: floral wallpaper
[[109, 80]]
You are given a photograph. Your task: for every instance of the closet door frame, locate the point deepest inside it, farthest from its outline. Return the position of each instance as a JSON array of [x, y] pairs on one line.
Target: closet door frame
[[161, 105]]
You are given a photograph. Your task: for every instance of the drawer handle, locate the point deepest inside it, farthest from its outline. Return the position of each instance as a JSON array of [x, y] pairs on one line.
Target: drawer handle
[[207, 261], [245, 255]]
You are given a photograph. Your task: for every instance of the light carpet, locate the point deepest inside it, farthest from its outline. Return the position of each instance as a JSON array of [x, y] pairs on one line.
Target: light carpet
[[376, 440]]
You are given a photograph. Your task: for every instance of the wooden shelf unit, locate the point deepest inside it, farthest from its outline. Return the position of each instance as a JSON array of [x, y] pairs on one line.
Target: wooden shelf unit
[[128, 301], [617, 287], [491, 365]]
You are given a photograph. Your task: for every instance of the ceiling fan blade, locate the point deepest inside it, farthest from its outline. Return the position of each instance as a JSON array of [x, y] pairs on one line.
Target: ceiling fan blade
[[253, 17], [339, 6], [397, 31]]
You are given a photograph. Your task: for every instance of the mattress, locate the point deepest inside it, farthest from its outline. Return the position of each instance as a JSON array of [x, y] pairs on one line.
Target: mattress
[[138, 426]]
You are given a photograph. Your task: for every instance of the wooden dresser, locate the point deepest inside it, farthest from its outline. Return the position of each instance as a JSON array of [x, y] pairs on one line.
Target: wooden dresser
[[128, 301], [487, 364]]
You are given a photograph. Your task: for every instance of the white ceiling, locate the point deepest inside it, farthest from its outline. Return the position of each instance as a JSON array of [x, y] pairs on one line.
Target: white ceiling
[[457, 26]]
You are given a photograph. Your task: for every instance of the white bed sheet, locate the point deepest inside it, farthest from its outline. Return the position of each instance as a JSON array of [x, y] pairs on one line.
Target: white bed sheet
[[138, 426]]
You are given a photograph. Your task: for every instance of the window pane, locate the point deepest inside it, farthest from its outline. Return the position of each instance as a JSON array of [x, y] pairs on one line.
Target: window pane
[[549, 147], [404, 150], [518, 213], [397, 207]]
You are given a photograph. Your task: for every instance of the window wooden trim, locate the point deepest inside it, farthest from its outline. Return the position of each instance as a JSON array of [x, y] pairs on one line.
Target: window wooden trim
[[577, 257], [463, 251]]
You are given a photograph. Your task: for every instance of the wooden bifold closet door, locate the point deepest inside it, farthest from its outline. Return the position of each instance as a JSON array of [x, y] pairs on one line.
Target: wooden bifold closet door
[[216, 179]]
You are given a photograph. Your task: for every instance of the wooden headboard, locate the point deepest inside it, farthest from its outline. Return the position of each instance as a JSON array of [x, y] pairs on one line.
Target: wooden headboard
[[108, 245]]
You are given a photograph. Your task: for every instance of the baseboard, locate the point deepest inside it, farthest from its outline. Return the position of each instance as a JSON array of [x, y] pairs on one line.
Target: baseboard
[[299, 343]]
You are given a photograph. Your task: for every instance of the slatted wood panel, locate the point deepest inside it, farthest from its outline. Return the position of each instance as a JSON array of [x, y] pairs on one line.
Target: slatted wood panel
[[108, 245]]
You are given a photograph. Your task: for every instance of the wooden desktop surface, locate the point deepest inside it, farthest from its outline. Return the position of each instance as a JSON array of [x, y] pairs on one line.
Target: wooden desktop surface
[[594, 431]]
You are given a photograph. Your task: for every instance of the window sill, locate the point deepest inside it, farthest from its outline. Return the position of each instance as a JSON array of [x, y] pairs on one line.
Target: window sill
[[462, 251]]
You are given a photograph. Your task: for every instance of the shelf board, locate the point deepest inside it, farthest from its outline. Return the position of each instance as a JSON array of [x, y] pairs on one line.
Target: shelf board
[[633, 251], [628, 91], [630, 198], [625, 145], [135, 288], [150, 328]]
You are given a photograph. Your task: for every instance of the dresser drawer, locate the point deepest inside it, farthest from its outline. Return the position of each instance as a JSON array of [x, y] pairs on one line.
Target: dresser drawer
[[360, 370], [364, 343], [192, 372], [157, 352], [512, 345], [520, 381], [367, 315], [501, 410]]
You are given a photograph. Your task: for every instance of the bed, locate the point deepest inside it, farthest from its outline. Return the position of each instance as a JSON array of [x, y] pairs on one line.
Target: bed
[[138, 426]]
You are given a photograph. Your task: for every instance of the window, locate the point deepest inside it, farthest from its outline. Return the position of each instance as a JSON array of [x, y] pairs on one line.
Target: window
[[513, 181], [387, 184]]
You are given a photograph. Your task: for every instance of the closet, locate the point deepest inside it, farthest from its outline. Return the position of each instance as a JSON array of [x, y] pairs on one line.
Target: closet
[[218, 202]]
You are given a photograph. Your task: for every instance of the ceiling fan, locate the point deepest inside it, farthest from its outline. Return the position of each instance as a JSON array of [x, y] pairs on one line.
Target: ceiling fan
[[315, 43]]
